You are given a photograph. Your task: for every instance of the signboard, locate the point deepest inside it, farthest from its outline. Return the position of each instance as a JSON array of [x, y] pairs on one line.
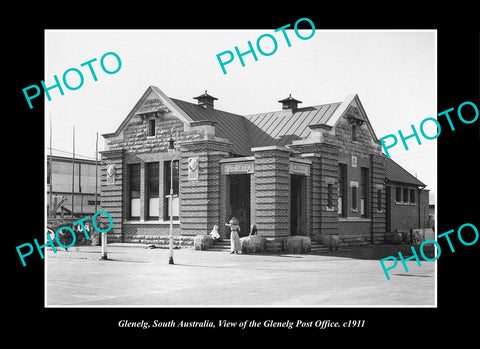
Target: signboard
[[238, 168], [299, 168]]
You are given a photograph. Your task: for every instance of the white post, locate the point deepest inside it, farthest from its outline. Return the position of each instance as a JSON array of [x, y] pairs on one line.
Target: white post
[[104, 245], [170, 259], [104, 239]]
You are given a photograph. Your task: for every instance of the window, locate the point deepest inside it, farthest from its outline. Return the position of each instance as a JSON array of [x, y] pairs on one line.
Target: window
[[405, 194], [330, 196], [167, 183], [354, 198], [153, 193], [342, 189], [364, 192], [92, 202], [398, 194], [354, 132], [134, 191], [412, 196], [151, 127], [379, 199]]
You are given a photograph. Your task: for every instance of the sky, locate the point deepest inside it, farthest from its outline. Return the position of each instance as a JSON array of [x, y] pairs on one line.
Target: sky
[[392, 71]]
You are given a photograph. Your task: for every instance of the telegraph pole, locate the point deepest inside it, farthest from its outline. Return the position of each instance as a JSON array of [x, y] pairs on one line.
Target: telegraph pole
[[73, 167], [96, 172], [50, 174]]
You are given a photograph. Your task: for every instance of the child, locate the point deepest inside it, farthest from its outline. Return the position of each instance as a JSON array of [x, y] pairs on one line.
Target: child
[[214, 233]]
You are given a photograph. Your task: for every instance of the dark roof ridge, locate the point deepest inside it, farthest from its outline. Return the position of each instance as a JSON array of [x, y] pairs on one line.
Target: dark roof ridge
[[197, 105], [292, 111]]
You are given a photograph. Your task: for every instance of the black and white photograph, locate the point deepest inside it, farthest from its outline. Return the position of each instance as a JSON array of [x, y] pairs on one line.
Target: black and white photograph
[[286, 177], [269, 177]]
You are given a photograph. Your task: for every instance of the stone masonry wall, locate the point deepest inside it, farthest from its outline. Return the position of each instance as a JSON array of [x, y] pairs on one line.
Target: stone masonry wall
[[271, 203], [112, 194], [200, 204], [324, 171], [134, 145]]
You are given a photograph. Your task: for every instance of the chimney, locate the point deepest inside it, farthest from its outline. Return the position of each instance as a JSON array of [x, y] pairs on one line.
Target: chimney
[[290, 102], [205, 100]]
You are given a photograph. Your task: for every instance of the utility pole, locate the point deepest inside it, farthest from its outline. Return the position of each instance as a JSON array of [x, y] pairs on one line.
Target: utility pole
[[50, 206], [73, 168], [96, 172]]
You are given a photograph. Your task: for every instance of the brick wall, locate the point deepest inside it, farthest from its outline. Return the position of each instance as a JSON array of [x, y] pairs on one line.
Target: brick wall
[[200, 204], [134, 146], [378, 216], [135, 137], [323, 220], [354, 232], [271, 200], [204, 202], [405, 216], [326, 152], [328, 174], [112, 194]]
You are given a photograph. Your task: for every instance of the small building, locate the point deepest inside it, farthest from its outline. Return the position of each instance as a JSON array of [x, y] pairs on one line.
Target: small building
[[407, 200], [315, 171], [62, 170]]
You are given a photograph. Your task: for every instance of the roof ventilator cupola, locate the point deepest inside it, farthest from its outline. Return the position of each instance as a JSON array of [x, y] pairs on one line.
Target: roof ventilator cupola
[[205, 100], [290, 102]]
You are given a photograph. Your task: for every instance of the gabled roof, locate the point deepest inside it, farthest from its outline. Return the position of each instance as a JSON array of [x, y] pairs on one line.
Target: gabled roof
[[396, 173], [265, 129], [164, 98], [352, 102]]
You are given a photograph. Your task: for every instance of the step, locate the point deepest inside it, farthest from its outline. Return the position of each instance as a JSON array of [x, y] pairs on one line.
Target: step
[[223, 245], [318, 247]]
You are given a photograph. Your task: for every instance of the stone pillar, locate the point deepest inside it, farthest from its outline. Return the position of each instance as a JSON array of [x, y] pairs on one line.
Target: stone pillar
[[324, 171], [379, 223], [329, 175], [112, 186], [271, 203], [314, 199], [200, 193]]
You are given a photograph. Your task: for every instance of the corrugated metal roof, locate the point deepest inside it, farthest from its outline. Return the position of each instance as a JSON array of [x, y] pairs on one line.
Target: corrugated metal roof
[[282, 127], [396, 173], [229, 125], [256, 130]]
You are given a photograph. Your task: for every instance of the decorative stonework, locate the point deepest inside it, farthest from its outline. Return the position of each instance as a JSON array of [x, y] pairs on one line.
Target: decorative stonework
[[192, 168], [111, 174]]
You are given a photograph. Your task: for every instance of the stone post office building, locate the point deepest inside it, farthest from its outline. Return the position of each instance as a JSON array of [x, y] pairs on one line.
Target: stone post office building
[[316, 171]]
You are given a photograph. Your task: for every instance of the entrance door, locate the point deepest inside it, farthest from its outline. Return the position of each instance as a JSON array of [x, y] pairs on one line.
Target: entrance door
[[240, 201], [296, 213]]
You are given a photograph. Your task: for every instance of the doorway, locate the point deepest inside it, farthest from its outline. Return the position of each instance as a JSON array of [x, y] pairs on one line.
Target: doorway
[[240, 201], [296, 203]]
